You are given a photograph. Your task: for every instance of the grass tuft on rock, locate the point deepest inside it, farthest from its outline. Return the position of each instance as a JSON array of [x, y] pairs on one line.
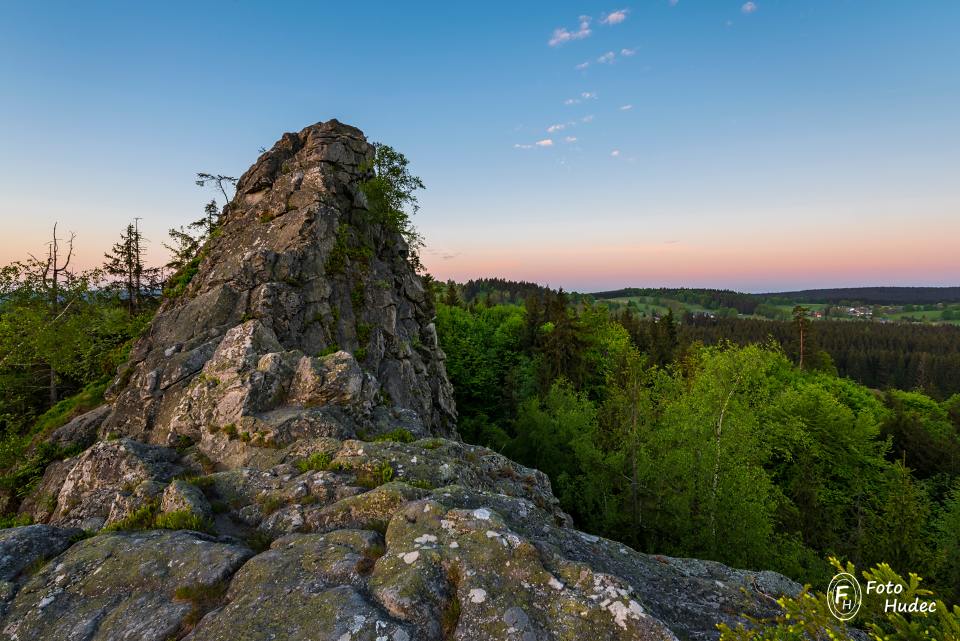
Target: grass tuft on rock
[[316, 462]]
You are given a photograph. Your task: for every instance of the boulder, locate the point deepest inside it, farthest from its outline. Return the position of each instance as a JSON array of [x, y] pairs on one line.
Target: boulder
[[81, 431], [109, 481], [334, 379], [185, 498]]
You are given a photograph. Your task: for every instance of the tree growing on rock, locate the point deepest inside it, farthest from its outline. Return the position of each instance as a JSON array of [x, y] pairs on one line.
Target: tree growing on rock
[[392, 194]]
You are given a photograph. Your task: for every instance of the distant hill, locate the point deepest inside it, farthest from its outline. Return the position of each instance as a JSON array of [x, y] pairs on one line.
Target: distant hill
[[708, 298], [745, 303], [873, 295]]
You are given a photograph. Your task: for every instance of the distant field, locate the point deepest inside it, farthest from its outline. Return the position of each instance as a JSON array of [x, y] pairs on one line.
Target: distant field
[[650, 305]]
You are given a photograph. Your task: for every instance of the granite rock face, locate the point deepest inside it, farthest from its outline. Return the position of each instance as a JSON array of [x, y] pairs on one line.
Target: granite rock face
[[295, 407], [298, 269]]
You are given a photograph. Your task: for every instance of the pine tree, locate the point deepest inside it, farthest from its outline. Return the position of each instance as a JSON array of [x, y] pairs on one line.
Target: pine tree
[[452, 298], [125, 263]]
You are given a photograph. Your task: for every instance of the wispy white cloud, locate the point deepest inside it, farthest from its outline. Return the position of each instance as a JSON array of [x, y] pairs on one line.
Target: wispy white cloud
[[582, 66], [749, 7], [607, 58], [570, 139], [587, 118], [546, 142], [585, 95], [615, 17], [626, 53], [444, 254], [615, 153], [626, 107], [674, 3], [562, 35], [559, 127], [520, 146]]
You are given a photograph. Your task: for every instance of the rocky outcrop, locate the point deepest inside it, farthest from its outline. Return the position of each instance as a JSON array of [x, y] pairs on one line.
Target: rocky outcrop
[[291, 402], [299, 269]]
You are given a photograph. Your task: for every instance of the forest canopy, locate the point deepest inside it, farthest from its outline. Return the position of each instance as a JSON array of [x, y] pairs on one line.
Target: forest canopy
[[724, 452]]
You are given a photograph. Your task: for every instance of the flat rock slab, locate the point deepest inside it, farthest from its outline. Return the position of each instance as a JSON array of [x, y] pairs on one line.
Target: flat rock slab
[[308, 587], [120, 586]]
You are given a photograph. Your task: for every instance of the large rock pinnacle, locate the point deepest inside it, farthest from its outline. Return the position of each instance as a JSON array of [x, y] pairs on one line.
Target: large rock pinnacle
[[304, 316]]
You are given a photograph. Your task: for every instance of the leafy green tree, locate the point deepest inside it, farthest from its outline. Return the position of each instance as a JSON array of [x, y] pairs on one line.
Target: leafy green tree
[[391, 191], [947, 533], [550, 432], [899, 532]]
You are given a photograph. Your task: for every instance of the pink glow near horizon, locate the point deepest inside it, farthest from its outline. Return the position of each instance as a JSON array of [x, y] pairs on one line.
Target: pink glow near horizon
[[847, 257], [744, 267]]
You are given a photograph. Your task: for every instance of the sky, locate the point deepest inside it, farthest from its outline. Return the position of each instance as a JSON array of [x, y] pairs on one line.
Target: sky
[[760, 146]]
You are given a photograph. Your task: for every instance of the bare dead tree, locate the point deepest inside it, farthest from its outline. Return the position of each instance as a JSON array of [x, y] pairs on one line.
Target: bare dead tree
[[51, 273]]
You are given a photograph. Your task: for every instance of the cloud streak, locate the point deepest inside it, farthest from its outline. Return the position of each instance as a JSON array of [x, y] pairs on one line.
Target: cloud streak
[[615, 17], [561, 35], [749, 7]]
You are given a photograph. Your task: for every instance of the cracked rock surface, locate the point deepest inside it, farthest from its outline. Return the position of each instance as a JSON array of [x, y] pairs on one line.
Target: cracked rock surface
[[279, 460]]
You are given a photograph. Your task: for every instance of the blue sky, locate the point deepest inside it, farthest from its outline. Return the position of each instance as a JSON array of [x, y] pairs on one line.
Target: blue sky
[[760, 145]]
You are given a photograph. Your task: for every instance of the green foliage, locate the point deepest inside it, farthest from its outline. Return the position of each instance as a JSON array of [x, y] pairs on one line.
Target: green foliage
[[183, 520], [90, 397], [24, 476], [423, 484], [49, 350], [202, 598], [724, 452], [148, 517], [808, 616], [270, 503], [329, 350], [178, 283], [15, 520], [349, 248], [259, 541], [363, 333], [923, 435], [946, 534], [398, 435], [391, 191], [143, 518], [376, 476], [316, 462]]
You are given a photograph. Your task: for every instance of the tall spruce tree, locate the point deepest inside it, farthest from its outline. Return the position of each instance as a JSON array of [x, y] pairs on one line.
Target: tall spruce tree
[[124, 262]]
